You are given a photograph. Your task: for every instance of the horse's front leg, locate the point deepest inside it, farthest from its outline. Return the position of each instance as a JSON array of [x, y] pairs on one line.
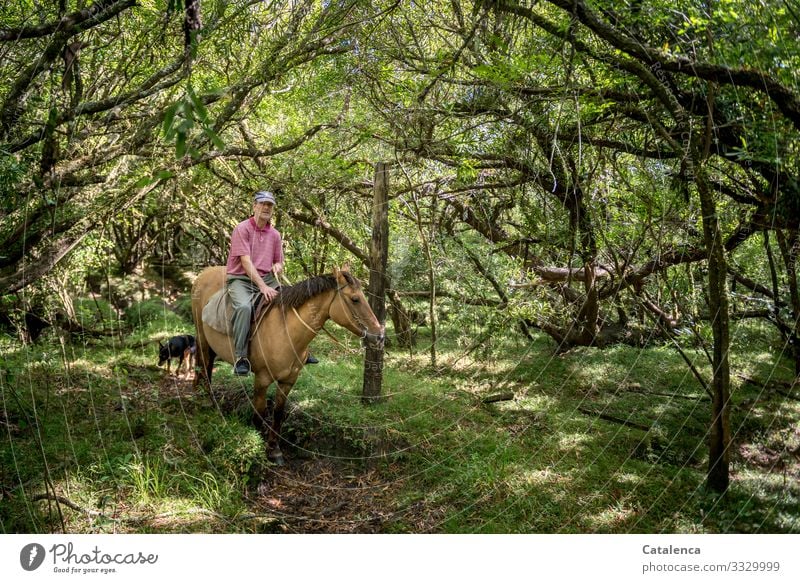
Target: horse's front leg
[[274, 453], [261, 413]]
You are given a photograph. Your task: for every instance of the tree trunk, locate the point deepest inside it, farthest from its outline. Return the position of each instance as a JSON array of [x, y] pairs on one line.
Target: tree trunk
[[590, 311], [789, 250], [426, 247], [405, 334], [379, 257], [720, 435]]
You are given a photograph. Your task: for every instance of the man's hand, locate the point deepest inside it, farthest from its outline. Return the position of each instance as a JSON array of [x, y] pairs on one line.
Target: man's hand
[[252, 273], [277, 269], [269, 293]]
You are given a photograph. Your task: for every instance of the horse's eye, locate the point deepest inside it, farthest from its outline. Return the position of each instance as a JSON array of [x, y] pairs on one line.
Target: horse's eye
[[354, 299]]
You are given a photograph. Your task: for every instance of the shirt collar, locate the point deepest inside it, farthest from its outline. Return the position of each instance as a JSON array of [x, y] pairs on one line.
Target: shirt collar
[[255, 225]]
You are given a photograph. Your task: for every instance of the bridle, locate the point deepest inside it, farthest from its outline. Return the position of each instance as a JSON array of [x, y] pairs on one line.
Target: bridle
[[366, 336]]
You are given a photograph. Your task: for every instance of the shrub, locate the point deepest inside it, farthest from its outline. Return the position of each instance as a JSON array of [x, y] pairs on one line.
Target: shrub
[[94, 313], [236, 451], [183, 307], [150, 311]]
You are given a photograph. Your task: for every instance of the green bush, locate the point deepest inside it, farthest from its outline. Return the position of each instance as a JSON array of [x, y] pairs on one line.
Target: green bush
[[94, 313], [150, 311], [236, 451], [183, 307]]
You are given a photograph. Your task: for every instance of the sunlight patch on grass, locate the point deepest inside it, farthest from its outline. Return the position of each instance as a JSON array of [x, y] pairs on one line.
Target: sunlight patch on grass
[[761, 357], [776, 483], [521, 481], [592, 371], [535, 402], [89, 506], [628, 479], [87, 366], [307, 401], [469, 364], [610, 519], [454, 362], [573, 441]]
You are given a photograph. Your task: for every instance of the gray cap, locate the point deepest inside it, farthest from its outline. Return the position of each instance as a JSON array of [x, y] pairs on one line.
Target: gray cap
[[264, 196]]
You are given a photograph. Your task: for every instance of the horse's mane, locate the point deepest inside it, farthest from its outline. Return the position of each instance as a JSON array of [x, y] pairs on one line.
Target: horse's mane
[[294, 296]]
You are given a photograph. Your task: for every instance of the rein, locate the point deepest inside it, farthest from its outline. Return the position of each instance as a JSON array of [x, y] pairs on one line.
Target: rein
[[354, 318], [323, 329]]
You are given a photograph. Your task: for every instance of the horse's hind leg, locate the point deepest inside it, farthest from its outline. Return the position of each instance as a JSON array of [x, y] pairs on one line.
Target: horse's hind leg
[[204, 361]]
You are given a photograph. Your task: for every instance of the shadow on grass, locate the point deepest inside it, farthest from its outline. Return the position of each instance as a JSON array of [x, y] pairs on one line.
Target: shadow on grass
[[593, 441]]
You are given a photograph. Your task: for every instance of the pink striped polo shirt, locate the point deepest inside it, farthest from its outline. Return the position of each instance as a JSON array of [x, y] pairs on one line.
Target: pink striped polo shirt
[[262, 245]]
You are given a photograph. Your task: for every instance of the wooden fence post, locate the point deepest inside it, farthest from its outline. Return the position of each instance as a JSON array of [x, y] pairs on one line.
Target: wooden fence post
[[379, 257]]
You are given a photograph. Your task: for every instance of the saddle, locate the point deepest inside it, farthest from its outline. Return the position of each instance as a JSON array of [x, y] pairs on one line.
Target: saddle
[[218, 312]]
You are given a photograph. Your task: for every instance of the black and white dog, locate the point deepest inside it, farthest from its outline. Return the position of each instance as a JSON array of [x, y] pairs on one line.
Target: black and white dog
[[180, 347]]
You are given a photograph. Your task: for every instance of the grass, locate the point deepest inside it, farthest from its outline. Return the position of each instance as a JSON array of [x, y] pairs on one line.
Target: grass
[[610, 441]]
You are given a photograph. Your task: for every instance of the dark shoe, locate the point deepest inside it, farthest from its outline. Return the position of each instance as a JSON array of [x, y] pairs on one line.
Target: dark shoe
[[242, 367], [311, 360]]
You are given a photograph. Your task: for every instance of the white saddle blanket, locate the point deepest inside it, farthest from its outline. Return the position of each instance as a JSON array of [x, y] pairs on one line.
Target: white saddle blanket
[[218, 312]]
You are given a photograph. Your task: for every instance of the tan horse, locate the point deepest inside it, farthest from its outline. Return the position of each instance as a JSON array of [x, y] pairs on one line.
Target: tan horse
[[279, 344]]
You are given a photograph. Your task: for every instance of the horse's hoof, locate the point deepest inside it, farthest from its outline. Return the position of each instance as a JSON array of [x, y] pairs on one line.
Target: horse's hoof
[[276, 457]]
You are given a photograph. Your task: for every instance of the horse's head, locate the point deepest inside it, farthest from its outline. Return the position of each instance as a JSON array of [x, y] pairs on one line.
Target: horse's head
[[350, 309]]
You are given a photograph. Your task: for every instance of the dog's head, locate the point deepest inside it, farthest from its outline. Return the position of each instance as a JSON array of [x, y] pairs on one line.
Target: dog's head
[[163, 353]]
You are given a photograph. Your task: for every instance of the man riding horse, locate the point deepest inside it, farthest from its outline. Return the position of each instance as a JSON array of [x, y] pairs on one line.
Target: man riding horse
[[255, 261], [278, 346]]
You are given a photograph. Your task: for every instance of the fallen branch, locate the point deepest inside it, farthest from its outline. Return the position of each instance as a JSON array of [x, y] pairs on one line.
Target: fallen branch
[[69, 504], [613, 419], [640, 390], [773, 386], [507, 396], [134, 520]]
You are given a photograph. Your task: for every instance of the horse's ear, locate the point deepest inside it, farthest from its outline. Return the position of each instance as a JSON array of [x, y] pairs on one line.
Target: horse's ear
[[346, 267], [341, 275]]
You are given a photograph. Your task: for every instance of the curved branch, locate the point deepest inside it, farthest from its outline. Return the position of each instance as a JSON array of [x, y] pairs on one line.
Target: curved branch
[[28, 273], [786, 100], [65, 25], [319, 222], [150, 87], [12, 105]]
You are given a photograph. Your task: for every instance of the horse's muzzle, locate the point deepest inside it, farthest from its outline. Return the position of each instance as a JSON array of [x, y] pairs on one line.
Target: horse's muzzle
[[374, 341]]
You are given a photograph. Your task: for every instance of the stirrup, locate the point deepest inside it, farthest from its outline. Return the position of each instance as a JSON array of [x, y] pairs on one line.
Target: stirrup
[[242, 367]]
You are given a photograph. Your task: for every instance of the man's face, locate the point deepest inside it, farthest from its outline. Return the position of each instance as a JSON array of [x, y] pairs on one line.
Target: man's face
[[262, 211]]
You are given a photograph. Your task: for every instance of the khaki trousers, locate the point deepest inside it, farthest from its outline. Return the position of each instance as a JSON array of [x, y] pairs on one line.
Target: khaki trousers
[[243, 293]]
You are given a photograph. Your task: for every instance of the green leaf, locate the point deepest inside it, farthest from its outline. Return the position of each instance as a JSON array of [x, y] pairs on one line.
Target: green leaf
[[199, 109], [184, 126], [169, 118], [214, 137], [180, 146], [144, 181]]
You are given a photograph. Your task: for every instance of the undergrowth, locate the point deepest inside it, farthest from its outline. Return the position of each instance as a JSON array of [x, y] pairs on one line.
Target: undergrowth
[[96, 438]]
